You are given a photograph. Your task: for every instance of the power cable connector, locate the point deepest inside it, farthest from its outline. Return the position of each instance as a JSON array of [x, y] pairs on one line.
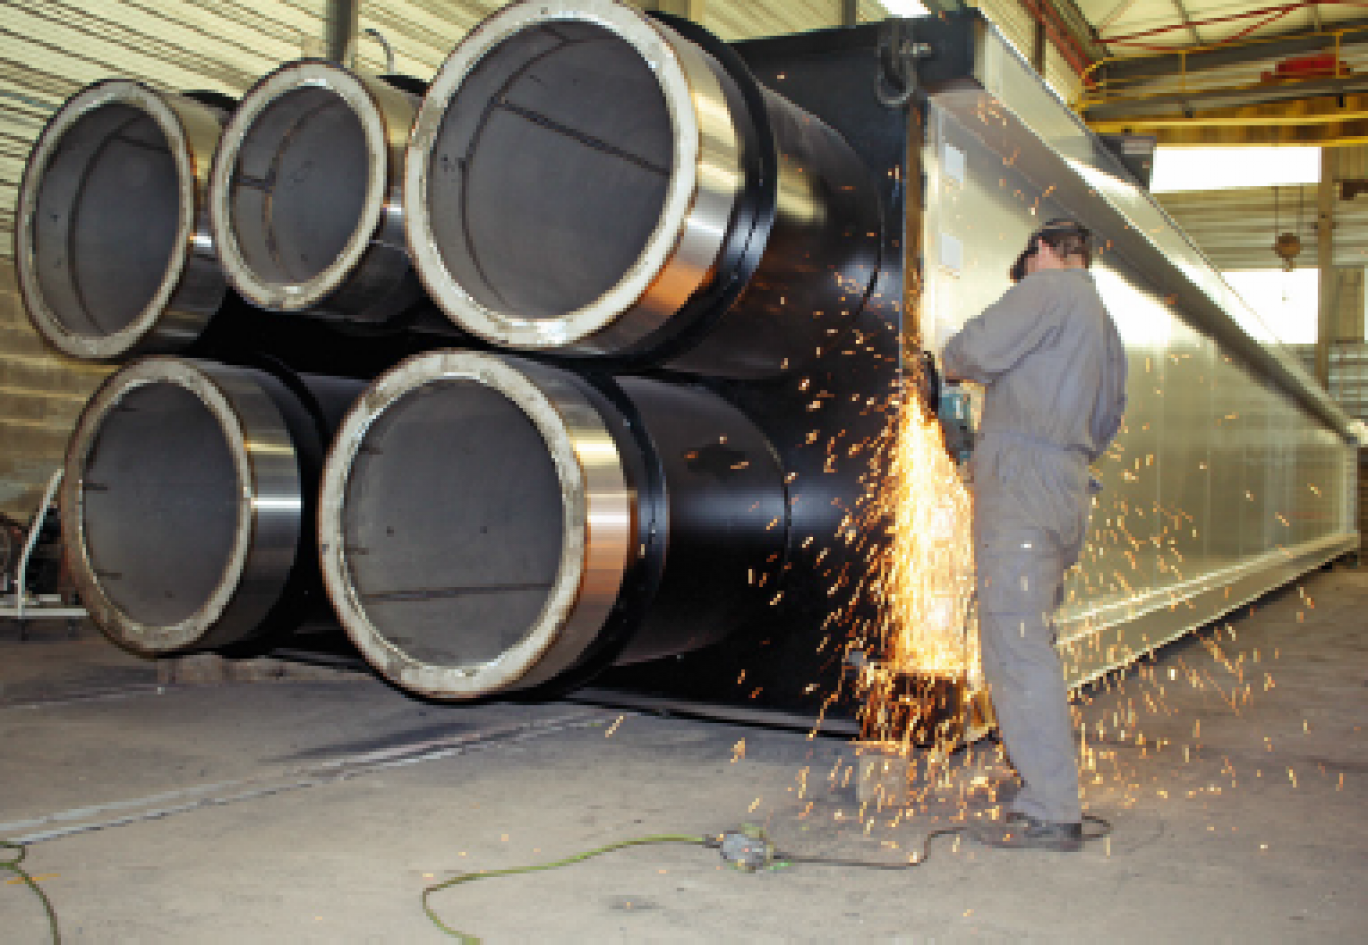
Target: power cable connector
[[747, 849]]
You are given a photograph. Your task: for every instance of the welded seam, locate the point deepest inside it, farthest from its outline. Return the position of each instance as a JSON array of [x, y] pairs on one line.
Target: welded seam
[[463, 162], [500, 101], [580, 137], [273, 174]]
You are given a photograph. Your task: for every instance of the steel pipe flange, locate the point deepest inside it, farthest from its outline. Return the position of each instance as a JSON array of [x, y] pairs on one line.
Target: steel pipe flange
[[488, 524], [112, 245], [304, 194], [570, 207], [184, 502], [518, 470], [590, 181]]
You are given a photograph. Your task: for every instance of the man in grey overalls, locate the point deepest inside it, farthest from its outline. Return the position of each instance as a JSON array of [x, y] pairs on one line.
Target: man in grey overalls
[[1055, 371]]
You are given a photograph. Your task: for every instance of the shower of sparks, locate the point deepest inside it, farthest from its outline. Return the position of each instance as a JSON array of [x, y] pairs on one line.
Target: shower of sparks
[[923, 654], [1131, 753], [928, 578], [901, 595]]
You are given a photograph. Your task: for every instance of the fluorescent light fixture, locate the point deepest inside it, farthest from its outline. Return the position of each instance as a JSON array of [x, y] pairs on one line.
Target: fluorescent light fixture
[[903, 7], [1223, 168]]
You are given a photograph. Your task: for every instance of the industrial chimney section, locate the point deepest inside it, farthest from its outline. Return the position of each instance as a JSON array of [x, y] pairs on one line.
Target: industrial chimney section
[[188, 501], [304, 195], [489, 524], [584, 180], [112, 248]]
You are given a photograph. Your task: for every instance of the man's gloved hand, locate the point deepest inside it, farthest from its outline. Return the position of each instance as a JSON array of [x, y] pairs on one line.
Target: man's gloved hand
[[928, 382]]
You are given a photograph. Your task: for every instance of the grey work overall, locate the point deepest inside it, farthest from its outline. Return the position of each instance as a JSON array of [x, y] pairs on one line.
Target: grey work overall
[[1055, 372]]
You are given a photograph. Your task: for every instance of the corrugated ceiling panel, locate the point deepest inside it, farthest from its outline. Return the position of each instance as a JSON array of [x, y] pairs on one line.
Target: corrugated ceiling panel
[[1352, 163], [1236, 227], [1124, 18]]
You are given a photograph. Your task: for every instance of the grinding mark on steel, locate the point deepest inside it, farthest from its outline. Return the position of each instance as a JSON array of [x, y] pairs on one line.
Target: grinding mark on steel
[[328, 772], [439, 593], [588, 140]]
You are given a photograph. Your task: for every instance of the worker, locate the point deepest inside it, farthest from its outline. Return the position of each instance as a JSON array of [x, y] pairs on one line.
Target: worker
[[1054, 369]]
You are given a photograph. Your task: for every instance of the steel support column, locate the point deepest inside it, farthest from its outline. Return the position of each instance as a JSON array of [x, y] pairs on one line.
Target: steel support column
[[1325, 260], [341, 19]]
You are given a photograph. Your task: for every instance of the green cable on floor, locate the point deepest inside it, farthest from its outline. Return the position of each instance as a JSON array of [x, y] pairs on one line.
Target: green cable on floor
[[13, 866], [578, 857]]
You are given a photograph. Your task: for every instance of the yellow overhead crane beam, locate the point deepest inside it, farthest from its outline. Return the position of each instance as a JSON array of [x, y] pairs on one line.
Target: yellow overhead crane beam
[[1326, 110], [1328, 122]]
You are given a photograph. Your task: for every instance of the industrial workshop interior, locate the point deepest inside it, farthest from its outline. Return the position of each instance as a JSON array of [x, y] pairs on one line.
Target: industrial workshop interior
[[683, 471]]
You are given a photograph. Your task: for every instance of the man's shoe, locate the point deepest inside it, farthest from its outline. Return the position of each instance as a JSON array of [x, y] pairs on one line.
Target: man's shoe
[[1023, 832]]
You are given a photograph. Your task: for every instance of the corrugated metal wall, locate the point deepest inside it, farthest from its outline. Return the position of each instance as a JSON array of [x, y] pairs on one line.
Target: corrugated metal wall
[[735, 21], [48, 50], [1236, 228]]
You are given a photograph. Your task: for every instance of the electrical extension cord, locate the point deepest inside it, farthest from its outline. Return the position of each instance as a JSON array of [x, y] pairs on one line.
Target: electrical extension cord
[[746, 849], [567, 861], [12, 865]]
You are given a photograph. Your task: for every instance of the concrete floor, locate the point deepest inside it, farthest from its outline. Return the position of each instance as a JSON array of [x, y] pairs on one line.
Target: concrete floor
[[1232, 766]]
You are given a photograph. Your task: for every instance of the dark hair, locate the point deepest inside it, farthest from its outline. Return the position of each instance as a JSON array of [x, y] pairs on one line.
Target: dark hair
[[1018, 270], [1067, 238]]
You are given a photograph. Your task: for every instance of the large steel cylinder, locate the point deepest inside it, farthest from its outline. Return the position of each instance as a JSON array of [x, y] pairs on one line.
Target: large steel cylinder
[[304, 195], [112, 248], [585, 180], [490, 525], [188, 503]]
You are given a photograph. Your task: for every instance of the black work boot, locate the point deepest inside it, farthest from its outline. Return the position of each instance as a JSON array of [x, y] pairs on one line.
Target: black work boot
[[1023, 832]]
